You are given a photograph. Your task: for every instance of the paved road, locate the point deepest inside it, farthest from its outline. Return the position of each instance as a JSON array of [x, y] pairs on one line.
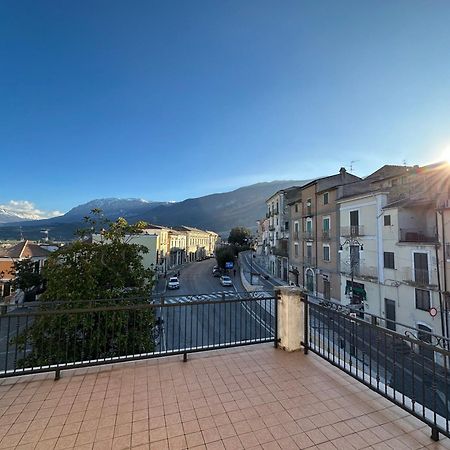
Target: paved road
[[203, 313]]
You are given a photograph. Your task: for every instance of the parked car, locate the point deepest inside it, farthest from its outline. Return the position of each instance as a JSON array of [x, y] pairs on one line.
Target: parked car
[[225, 281], [173, 283], [217, 273]]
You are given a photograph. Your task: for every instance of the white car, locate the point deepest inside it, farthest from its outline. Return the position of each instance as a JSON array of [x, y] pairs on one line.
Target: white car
[[173, 283], [225, 281]]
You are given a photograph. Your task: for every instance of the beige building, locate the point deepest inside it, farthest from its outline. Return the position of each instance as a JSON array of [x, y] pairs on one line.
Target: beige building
[[199, 243], [177, 245], [162, 246]]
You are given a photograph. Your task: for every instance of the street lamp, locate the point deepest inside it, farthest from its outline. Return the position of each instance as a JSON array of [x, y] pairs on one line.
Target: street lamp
[[354, 261]]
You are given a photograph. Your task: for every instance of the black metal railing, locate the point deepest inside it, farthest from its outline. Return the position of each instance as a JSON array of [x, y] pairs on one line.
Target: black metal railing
[[418, 235], [408, 366], [52, 336]]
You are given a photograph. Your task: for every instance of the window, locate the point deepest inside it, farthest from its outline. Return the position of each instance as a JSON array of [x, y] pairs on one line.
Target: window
[[296, 228], [295, 249], [389, 260], [296, 207], [286, 226], [387, 220], [309, 252], [423, 301], [325, 198], [326, 252], [309, 226], [326, 290], [326, 228]]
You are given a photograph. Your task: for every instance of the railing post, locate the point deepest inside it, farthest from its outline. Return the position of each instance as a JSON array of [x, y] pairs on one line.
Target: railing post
[[434, 434], [275, 334], [290, 320], [57, 374], [305, 342]]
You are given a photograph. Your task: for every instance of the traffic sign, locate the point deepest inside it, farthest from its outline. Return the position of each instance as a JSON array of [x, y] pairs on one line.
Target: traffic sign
[[229, 265], [433, 311]]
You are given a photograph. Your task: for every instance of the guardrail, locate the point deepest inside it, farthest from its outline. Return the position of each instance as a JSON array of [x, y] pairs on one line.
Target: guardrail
[[409, 366], [57, 335]]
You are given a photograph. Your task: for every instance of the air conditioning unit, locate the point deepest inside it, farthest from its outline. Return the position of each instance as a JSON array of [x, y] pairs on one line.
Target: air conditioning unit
[[318, 271]]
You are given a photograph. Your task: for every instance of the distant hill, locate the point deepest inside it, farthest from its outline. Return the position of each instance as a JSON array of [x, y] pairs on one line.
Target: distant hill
[[217, 212]]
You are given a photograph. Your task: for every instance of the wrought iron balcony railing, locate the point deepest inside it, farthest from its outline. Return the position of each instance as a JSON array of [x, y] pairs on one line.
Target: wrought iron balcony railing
[[418, 235], [352, 231]]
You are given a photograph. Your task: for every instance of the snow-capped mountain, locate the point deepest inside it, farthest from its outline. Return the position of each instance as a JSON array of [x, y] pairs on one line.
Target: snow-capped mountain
[[7, 216]]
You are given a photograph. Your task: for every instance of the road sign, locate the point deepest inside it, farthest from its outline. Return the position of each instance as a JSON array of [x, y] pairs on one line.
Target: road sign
[[433, 312], [229, 265]]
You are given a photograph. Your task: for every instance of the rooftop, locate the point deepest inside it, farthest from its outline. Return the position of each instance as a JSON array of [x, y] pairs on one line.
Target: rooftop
[[24, 249], [251, 397]]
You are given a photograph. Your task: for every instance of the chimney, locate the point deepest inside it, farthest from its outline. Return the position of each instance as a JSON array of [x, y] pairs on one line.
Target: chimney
[[343, 172]]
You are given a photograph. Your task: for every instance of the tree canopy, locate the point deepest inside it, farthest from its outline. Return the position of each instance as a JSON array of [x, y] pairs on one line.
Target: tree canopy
[[240, 236], [77, 277]]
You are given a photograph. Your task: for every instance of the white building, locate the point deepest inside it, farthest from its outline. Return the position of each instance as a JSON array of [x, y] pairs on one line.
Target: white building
[[389, 250]]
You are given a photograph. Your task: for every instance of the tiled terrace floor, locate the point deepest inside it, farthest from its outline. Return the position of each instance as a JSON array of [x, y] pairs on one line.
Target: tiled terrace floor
[[252, 397]]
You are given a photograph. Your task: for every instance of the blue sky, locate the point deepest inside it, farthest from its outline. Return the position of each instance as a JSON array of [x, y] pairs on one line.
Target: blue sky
[[174, 99]]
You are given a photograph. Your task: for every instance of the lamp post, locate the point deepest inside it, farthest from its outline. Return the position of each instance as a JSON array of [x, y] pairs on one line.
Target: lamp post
[[2, 274], [251, 267], [354, 261]]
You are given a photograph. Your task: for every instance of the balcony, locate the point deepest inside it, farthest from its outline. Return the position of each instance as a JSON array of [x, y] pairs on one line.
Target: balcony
[[308, 235], [235, 398], [326, 235], [271, 228], [422, 236], [352, 231], [359, 270], [310, 261], [417, 277]]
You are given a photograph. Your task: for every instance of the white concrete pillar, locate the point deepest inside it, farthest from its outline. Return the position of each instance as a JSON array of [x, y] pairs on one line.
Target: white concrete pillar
[[290, 318]]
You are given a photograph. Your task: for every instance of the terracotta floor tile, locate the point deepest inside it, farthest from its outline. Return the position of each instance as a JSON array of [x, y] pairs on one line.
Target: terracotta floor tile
[[242, 398]]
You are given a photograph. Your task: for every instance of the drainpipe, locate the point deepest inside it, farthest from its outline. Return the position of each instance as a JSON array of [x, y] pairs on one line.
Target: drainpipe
[[444, 260], [443, 327]]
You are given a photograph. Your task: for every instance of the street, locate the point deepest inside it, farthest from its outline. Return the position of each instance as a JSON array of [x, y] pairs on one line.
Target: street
[[203, 313]]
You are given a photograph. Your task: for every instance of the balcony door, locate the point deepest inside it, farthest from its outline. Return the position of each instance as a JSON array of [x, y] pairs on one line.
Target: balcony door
[[389, 309], [421, 274], [354, 223]]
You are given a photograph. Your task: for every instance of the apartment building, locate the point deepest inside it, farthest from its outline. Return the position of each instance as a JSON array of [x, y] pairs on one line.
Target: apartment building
[[314, 235], [162, 246], [278, 235], [177, 247], [393, 250], [199, 243]]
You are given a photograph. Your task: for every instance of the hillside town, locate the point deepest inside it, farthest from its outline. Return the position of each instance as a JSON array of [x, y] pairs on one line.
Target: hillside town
[[378, 243]]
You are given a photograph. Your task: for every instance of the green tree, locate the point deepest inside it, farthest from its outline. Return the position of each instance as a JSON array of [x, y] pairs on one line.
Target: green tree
[[26, 276], [240, 237], [83, 279], [224, 254]]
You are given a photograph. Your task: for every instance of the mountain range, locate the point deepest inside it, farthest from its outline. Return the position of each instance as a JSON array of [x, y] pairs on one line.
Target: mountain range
[[217, 212]]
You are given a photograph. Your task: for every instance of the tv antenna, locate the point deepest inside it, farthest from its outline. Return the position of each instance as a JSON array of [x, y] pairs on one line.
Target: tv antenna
[[351, 164]]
